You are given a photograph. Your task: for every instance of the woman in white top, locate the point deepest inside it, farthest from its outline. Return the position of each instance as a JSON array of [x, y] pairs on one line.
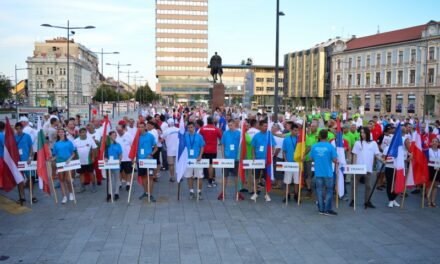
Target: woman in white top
[[364, 152], [434, 155]]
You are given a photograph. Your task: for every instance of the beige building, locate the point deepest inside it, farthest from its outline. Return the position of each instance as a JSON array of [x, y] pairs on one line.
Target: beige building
[[182, 48], [264, 86], [47, 76]]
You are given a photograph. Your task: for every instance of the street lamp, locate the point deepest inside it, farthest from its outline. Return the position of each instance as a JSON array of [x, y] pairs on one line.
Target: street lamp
[[16, 86], [69, 33], [277, 38], [128, 74], [118, 65], [137, 78], [102, 72]]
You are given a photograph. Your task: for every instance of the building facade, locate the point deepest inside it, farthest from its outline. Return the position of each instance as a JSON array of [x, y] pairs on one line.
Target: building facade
[[47, 74], [182, 48], [264, 86], [390, 72]]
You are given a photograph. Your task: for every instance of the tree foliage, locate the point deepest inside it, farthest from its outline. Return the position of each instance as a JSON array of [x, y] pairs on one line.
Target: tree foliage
[[106, 93], [5, 88], [145, 95]]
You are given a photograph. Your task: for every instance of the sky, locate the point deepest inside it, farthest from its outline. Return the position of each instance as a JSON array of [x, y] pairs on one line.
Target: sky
[[238, 29]]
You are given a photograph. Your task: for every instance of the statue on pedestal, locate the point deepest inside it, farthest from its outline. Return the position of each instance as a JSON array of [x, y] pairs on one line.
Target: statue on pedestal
[[216, 67]]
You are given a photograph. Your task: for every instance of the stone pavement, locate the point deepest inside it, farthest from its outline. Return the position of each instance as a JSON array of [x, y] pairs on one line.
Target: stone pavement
[[212, 231]]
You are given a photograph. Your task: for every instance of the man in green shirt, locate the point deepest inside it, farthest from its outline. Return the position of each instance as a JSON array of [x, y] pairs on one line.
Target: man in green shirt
[[347, 135], [311, 139]]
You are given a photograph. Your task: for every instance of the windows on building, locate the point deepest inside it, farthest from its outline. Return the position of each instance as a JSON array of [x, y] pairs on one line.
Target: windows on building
[[62, 71], [412, 76], [270, 80], [350, 63], [413, 56], [400, 77], [431, 75], [183, 3], [367, 79], [358, 62], [182, 21], [377, 78], [349, 80], [400, 57], [49, 71], [259, 89], [182, 12], [431, 53], [339, 64], [388, 78], [270, 89], [368, 61], [259, 80], [338, 81], [358, 79], [378, 60], [389, 58]]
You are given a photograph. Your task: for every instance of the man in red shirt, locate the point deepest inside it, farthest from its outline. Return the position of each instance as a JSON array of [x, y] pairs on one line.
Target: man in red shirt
[[211, 135], [376, 130]]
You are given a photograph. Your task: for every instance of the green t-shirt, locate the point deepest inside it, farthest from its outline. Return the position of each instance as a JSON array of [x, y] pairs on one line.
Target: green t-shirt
[[248, 146], [350, 139], [311, 139], [326, 116], [330, 136]]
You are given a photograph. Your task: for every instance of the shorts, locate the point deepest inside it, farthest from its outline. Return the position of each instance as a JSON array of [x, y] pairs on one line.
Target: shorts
[[432, 174], [233, 172], [171, 160], [193, 172], [288, 175], [379, 165], [308, 173], [156, 155], [126, 166], [144, 171], [209, 156], [85, 168]]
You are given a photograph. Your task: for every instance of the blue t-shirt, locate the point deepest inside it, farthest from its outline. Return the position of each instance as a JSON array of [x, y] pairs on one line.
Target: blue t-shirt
[[323, 154], [114, 151], [222, 123], [63, 150], [146, 145], [231, 141], [259, 142], [2, 144], [24, 144], [194, 143], [289, 145]]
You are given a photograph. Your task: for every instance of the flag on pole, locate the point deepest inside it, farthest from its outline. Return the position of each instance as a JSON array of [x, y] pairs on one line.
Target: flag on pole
[[340, 150], [269, 163], [134, 150], [243, 152], [43, 154], [300, 150], [418, 169], [104, 140], [396, 151], [182, 153], [10, 176]]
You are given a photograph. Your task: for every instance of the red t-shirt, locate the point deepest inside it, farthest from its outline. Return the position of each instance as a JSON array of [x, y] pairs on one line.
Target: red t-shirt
[[376, 131], [210, 134]]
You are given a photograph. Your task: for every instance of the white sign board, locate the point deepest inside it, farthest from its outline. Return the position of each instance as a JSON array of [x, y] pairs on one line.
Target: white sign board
[[254, 164], [147, 163], [111, 164], [313, 166], [435, 164], [82, 110], [287, 166], [24, 166], [72, 165], [223, 163], [122, 107], [107, 108], [355, 169], [203, 163]]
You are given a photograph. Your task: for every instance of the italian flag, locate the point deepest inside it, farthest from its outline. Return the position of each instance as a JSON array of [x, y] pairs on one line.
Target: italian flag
[[43, 154]]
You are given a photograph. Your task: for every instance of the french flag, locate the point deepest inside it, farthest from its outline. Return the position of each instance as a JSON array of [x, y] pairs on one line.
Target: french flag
[[340, 150], [182, 153], [418, 169], [396, 151], [269, 163]]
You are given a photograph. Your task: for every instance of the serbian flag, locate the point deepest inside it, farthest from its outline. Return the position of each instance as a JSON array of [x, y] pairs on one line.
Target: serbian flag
[[182, 153], [418, 170], [134, 150], [43, 154], [340, 150], [299, 153], [269, 163], [396, 151], [243, 152], [10, 176]]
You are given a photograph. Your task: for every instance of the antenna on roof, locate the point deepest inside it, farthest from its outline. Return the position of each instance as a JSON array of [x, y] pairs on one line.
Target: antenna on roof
[[378, 29]]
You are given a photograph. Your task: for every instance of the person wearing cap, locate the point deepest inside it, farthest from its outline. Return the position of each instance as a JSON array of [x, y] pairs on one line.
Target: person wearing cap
[[171, 136]]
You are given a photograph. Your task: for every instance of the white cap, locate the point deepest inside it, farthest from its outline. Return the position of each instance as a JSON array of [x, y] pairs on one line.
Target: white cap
[[299, 122], [170, 121], [23, 119]]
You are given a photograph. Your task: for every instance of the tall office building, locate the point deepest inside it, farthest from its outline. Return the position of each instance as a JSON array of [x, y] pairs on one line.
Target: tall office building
[[182, 49]]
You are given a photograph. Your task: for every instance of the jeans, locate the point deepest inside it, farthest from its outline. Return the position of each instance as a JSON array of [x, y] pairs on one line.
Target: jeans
[[324, 198]]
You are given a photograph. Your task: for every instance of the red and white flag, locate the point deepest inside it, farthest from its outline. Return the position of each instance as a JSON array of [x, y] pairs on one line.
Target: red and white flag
[[10, 176], [418, 169]]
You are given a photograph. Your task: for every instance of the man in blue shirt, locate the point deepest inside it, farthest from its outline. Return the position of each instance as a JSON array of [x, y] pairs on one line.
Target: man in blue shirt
[[195, 145], [230, 143], [259, 145], [114, 152], [146, 149], [24, 145], [289, 146], [324, 154]]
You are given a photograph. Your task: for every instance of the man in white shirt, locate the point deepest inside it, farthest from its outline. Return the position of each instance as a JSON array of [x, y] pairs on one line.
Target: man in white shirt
[[131, 128], [253, 130], [163, 127], [86, 148], [125, 140], [171, 136], [30, 131]]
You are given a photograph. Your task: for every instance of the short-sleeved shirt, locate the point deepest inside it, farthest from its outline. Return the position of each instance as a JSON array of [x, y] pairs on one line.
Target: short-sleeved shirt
[[125, 141], [171, 136], [63, 150], [231, 141], [289, 146], [323, 154], [114, 150], [24, 144], [210, 134], [194, 143], [311, 139], [146, 145], [365, 152], [84, 147], [259, 143]]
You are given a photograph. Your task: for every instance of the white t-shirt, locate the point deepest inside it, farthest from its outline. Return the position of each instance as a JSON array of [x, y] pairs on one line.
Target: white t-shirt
[[386, 141], [434, 155], [33, 133], [83, 146], [365, 152], [95, 136], [156, 136], [171, 136], [279, 145], [252, 131], [131, 131], [125, 141]]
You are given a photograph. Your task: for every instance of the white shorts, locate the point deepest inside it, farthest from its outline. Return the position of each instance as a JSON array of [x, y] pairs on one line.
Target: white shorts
[[288, 175], [193, 172]]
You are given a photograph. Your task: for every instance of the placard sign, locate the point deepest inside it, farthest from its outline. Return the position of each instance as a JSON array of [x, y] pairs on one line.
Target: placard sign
[[24, 166], [223, 163], [313, 166], [435, 164], [148, 163], [254, 164], [355, 169], [203, 163], [111, 164], [72, 165], [287, 166]]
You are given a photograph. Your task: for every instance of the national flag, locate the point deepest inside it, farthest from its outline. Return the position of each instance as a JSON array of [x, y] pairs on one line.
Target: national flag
[[104, 141], [243, 152], [10, 176], [300, 150], [43, 154], [182, 154], [396, 151], [418, 172], [134, 150], [340, 150], [269, 163]]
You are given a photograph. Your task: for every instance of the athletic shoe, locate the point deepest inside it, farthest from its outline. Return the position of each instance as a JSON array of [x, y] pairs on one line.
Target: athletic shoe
[[351, 203], [220, 196], [152, 199], [71, 197], [390, 204], [396, 204], [267, 197], [64, 200], [93, 188], [116, 197], [192, 195], [172, 180], [369, 205], [210, 185], [330, 213], [244, 190], [254, 196], [144, 195], [127, 188], [200, 196], [321, 213]]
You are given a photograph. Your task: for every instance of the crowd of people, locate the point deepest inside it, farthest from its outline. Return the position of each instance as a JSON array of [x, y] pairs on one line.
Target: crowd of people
[[222, 133]]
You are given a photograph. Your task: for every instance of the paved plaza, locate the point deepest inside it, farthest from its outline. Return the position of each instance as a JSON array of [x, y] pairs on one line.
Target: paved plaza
[[212, 231]]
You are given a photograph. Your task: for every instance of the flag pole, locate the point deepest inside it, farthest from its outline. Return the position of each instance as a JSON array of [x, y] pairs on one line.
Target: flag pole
[[404, 193], [432, 184], [149, 187], [178, 191], [109, 181], [255, 185], [337, 186], [198, 180], [423, 195], [30, 186], [287, 192], [131, 181], [354, 192], [51, 180], [394, 177], [223, 185]]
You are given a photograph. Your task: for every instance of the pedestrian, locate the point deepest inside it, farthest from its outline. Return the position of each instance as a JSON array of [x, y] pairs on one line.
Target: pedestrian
[[195, 146], [146, 150], [114, 152], [229, 146], [171, 136], [289, 146], [434, 157], [86, 148], [211, 135], [125, 140], [24, 145]]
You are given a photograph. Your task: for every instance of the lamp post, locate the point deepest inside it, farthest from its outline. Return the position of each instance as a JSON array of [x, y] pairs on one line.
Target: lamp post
[[137, 78], [277, 37], [16, 86], [128, 75], [102, 72], [68, 28], [118, 65]]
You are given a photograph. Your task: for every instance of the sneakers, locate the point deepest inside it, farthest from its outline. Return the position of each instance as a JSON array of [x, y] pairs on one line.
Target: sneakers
[[210, 185], [152, 199], [267, 197], [254, 197], [64, 201], [396, 204], [116, 197], [220, 196], [172, 180], [144, 195], [330, 213], [351, 203], [390, 204], [200, 196], [369, 205], [71, 197], [192, 195], [127, 188], [321, 213], [93, 188], [109, 197]]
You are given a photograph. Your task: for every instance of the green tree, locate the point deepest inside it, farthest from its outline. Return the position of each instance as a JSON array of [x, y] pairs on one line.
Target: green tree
[[5, 88], [105, 93], [145, 95]]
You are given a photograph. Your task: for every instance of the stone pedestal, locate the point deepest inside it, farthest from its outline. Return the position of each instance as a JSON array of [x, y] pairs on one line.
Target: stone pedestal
[[218, 96]]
